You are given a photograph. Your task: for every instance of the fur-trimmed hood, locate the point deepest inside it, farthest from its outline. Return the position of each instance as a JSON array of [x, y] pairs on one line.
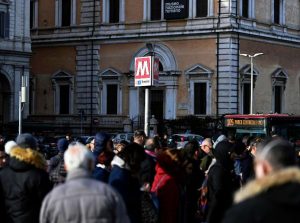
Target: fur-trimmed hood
[[27, 156], [258, 186]]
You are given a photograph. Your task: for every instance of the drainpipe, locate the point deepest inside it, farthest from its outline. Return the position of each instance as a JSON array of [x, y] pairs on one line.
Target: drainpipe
[[92, 69], [218, 54]]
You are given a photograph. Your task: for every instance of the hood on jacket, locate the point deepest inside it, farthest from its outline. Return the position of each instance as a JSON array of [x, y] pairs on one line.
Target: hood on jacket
[[101, 140], [287, 179], [26, 158], [62, 145]]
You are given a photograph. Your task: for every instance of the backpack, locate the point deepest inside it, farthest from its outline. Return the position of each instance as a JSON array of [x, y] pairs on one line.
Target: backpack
[[58, 174]]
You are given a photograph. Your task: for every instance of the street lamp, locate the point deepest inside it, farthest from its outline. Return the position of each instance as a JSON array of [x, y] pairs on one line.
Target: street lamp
[[251, 87]]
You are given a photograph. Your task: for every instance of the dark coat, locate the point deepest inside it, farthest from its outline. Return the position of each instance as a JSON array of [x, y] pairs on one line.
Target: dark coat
[[220, 192], [275, 198], [220, 183], [101, 173], [147, 171], [128, 186], [24, 184]]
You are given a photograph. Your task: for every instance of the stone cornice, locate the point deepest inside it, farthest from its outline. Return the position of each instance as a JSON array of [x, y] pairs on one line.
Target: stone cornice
[[199, 28]]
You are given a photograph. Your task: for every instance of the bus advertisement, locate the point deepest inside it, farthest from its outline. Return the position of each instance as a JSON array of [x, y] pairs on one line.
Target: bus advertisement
[[264, 125]]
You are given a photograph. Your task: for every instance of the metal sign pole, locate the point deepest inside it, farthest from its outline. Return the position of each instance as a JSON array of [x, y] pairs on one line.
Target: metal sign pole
[[146, 126], [20, 112]]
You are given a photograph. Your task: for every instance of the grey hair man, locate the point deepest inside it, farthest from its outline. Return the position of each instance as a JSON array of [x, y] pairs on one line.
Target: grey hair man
[[274, 196], [81, 198]]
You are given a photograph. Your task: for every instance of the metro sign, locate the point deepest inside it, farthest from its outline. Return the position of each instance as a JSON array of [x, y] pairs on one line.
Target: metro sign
[[146, 71]]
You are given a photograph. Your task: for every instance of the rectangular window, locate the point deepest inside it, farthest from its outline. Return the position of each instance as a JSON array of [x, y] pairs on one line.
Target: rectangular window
[[155, 9], [112, 99], [245, 8], [64, 99], [200, 98], [246, 98], [66, 13], [114, 11], [277, 11], [4, 24], [31, 14], [202, 8], [278, 99]]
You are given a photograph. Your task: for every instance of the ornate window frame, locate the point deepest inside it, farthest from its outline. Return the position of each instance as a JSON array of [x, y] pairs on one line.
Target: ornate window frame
[[279, 78], [251, 9], [199, 74], [59, 78], [106, 77], [245, 78]]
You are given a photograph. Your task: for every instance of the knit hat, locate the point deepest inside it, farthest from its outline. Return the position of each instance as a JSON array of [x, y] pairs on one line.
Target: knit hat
[[26, 140], [62, 145], [9, 145], [101, 140]]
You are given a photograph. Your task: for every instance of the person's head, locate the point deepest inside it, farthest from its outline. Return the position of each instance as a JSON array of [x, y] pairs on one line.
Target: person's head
[[206, 145], [78, 156], [152, 144], [273, 155], [223, 152], [133, 155], [102, 143], [139, 137], [9, 146], [170, 160], [120, 146], [62, 145], [26, 141], [190, 149], [2, 159], [253, 145]]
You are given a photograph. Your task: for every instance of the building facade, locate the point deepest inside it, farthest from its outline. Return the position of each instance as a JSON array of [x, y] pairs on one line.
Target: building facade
[[82, 67], [15, 52]]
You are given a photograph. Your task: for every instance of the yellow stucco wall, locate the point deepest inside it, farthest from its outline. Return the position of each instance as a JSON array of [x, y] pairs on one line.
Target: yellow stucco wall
[[186, 52], [273, 58], [46, 14], [45, 62], [133, 11]]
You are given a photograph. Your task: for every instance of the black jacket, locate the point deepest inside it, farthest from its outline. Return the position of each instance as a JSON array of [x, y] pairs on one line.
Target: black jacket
[[24, 184], [275, 198]]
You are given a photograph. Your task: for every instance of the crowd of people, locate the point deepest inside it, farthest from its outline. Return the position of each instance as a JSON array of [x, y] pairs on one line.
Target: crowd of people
[[222, 179]]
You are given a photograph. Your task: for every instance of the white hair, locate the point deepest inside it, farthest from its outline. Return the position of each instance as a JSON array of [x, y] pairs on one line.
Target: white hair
[[78, 156], [9, 146]]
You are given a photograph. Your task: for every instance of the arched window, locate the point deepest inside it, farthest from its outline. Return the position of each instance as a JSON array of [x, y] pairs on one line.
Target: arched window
[[111, 92], [279, 78], [62, 83], [245, 87], [199, 88]]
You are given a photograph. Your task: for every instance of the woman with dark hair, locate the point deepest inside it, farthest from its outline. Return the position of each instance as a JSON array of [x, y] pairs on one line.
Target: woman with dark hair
[[124, 178], [166, 185]]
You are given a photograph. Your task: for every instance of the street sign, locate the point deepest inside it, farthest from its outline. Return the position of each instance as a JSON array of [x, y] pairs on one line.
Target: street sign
[[142, 72], [146, 71]]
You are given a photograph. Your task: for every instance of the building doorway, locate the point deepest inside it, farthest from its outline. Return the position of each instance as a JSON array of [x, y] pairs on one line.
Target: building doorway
[[4, 101], [157, 103]]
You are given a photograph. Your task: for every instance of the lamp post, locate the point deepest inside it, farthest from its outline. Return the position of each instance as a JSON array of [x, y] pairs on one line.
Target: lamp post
[[251, 82]]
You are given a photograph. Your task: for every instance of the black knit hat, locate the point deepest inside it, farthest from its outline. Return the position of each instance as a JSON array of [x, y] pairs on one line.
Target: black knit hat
[[26, 140]]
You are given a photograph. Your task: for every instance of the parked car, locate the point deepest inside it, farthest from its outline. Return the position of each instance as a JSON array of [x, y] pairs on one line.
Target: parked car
[[179, 140], [122, 136]]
